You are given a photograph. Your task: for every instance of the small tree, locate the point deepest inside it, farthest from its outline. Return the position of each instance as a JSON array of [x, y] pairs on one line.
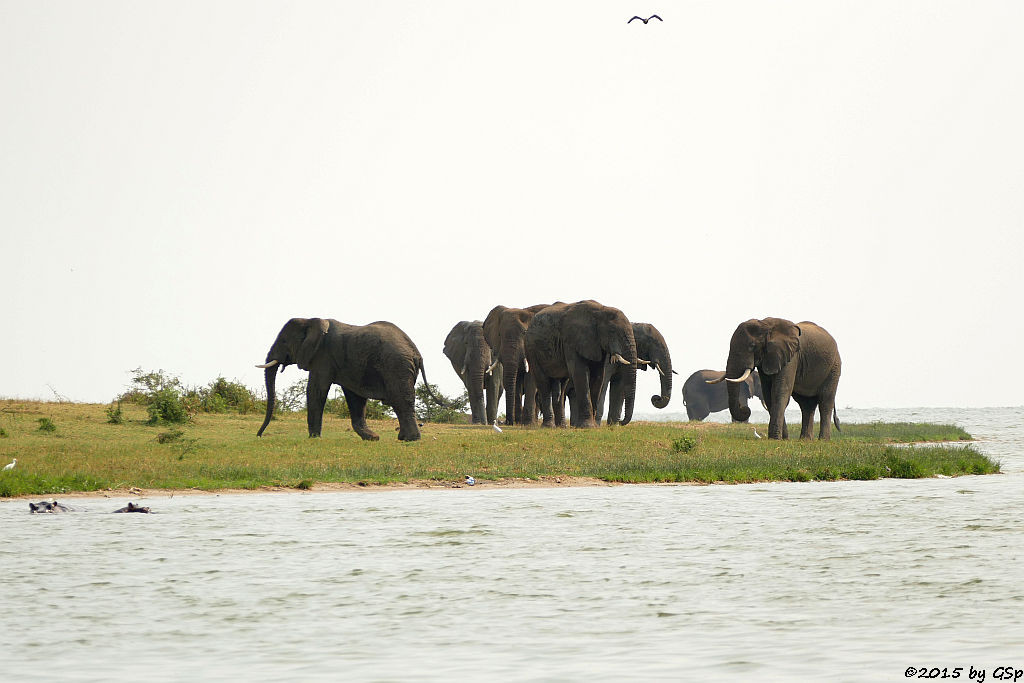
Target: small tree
[[448, 410]]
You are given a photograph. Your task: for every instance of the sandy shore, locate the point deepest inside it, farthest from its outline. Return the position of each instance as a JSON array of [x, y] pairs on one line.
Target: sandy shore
[[329, 487]]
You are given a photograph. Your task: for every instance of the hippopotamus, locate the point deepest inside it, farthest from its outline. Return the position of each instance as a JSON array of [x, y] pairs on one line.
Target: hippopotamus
[[47, 506], [132, 507]]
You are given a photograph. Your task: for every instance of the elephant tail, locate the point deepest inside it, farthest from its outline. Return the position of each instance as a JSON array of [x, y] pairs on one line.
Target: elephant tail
[[426, 385], [835, 420]]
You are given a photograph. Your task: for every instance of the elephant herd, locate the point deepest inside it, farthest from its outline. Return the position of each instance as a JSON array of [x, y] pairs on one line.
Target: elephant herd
[[539, 357]]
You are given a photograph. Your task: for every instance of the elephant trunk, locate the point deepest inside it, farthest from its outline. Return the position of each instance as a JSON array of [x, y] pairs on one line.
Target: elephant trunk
[[509, 370], [270, 375], [736, 390], [475, 382], [661, 401]]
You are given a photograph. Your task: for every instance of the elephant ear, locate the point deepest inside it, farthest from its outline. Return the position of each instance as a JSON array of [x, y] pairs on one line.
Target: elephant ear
[[782, 343], [581, 331], [316, 330]]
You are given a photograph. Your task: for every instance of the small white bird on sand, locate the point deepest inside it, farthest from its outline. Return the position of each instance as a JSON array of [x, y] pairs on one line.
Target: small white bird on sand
[[496, 427], [470, 481], [10, 465], [756, 434]]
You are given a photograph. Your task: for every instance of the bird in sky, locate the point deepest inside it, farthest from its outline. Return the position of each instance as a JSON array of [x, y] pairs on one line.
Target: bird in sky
[[496, 427], [653, 16], [10, 465]]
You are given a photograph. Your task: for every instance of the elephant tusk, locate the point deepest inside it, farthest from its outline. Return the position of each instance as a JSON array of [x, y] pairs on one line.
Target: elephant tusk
[[641, 361], [764, 405], [493, 365], [268, 365], [657, 366], [739, 379], [715, 381], [619, 359], [526, 364]]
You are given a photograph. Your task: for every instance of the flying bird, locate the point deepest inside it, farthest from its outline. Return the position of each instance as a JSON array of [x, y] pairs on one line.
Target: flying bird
[[10, 465], [653, 16]]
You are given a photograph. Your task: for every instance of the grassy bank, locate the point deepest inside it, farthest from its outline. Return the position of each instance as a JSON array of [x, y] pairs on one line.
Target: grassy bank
[[84, 453]]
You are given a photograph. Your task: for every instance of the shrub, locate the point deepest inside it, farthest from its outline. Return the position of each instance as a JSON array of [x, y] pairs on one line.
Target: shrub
[[3, 433], [145, 385], [222, 395], [166, 405], [684, 444], [170, 437], [114, 414], [46, 425], [450, 410], [293, 398]]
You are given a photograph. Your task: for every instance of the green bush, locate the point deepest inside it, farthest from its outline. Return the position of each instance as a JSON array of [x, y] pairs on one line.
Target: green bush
[[46, 425], [222, 395], [114, 414], [167, 406], [449, 411], [684, 444], [145, 385], [170, 437]]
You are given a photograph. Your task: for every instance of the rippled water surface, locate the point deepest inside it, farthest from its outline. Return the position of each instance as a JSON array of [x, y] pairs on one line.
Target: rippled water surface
[[841, 580]]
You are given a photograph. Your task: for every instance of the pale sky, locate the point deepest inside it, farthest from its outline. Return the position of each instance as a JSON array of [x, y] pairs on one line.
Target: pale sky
[[177, 179]]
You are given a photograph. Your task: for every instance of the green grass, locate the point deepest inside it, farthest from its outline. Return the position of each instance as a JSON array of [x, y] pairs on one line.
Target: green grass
[[217, 451]]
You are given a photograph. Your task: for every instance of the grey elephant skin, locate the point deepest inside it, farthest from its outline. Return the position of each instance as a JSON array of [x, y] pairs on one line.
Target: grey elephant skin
[[574, 342], [505, 330], [470, 356], [651, 347], [701, 399], [794, 359], [376, 361]]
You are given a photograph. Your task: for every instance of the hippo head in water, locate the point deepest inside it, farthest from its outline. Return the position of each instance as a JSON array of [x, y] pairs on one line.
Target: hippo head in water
[[132, 507], [47, 506]]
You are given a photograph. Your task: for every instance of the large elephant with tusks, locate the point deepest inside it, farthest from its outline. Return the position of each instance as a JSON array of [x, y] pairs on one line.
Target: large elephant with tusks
[[470, 357], [799, 360], [376, 361], [575, 342], [650, 347]]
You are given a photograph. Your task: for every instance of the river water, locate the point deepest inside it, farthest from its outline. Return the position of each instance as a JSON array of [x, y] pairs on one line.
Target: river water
[[789, 581]]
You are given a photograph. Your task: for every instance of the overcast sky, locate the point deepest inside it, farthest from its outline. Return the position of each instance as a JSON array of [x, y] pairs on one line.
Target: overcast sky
[[177, 179]]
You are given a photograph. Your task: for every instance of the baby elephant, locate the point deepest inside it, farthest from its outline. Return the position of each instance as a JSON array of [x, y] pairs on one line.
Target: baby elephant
[[46, 506], [132, 507]]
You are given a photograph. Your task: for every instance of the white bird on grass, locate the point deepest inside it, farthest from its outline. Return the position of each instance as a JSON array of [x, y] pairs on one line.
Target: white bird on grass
[[10, 465], [496, 427], [756, 434]]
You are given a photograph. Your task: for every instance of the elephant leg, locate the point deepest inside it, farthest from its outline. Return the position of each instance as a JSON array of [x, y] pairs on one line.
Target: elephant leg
[[559, 388], [582, 406], [827, 408], [357, 410], [317, 389], [616, 398], [408, 429], [777, 400], [546, 407], [493, 396], [808, 404], [529, 400]]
